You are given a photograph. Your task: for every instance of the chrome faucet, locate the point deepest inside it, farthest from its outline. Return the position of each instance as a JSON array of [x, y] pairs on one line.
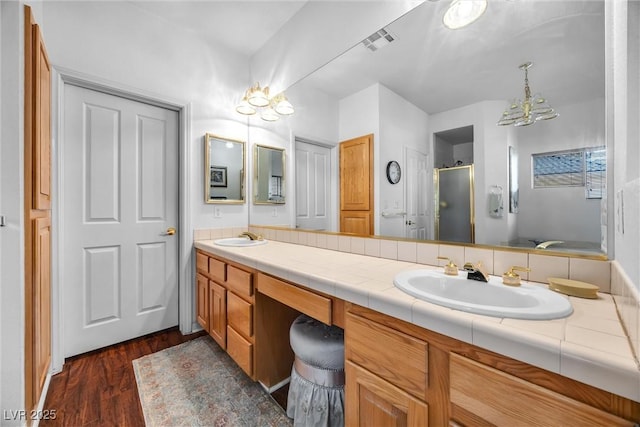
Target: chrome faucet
[[251, 236], [476, 272]]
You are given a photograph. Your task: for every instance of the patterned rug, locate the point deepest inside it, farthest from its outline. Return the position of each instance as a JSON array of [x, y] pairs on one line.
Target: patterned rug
[[198, 384]]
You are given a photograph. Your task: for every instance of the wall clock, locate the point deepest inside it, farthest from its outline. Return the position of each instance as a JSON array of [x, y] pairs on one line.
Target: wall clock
[[393, 172]]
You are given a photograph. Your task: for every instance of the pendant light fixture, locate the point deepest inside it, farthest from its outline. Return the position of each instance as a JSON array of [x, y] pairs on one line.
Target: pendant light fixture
[[529, 110]]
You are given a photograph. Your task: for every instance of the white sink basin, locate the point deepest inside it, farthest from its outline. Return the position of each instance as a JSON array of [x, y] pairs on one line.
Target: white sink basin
[[491, 299], [239, 241]]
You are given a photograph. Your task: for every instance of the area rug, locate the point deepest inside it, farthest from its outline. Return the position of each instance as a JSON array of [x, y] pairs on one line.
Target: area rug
[[197, 384]]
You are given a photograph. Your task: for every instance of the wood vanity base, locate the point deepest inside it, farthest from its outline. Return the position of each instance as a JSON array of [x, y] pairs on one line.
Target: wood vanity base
[[397, 373]]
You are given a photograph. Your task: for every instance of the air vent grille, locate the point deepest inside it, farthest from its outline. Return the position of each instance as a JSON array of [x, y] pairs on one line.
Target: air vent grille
[[378, 40]]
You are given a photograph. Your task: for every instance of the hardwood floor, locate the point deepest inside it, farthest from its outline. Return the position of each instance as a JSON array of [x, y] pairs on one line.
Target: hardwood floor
[[99, 388]]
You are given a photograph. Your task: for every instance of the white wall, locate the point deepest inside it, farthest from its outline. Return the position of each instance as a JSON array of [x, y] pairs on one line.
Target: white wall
[[402, 124], [622, 130], [119, 42], [578, 126]]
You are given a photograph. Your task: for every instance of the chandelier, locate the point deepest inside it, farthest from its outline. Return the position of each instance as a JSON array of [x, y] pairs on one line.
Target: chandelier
[[529, 110], [271, 108]]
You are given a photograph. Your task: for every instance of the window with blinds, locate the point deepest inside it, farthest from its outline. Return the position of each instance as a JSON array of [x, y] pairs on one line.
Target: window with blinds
[[574, 168]]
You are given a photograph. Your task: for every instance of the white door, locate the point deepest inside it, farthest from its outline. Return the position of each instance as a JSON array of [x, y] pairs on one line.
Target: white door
[[313, 188], [416, 196], [119, 198]]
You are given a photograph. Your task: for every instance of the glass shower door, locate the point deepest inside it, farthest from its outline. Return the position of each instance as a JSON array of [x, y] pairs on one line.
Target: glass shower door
[[454, 204]]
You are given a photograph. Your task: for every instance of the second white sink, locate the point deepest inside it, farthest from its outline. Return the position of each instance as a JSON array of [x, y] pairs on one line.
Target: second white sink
[[239, 241], [491, 299]]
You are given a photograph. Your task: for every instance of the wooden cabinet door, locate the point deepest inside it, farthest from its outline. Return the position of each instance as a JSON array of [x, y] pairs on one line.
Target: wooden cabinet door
[[371, 401], [218, 313], [482, 395], [42, 300], [202, 303]]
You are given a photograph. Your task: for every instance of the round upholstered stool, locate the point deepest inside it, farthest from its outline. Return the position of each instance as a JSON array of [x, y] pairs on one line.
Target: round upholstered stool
[[316, 391]]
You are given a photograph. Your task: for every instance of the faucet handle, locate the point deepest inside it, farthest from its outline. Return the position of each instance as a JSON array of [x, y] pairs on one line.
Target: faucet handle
[[450, 268], [512, 278]]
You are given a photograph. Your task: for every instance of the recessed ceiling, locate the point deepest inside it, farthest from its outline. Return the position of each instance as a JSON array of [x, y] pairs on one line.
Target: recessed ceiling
[[438, 69]]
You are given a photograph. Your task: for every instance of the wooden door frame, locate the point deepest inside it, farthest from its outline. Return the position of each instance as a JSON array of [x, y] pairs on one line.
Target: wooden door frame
[[60, 78]]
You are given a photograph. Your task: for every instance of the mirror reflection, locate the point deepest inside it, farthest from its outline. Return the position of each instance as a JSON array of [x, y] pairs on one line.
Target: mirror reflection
[[224, 170], [269, 178], [435, 92]]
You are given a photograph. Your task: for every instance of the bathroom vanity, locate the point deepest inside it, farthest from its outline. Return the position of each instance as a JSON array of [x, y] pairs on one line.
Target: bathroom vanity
[[398, 372]]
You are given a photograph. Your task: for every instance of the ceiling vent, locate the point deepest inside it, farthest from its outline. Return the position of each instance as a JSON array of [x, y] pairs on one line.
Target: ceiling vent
[[378, 40]]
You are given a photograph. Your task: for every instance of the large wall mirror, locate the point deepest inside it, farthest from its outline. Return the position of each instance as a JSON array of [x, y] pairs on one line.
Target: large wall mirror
[[430, 80], [269, 175], [224, 177]]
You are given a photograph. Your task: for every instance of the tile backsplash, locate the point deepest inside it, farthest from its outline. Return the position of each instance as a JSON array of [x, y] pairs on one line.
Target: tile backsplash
[[495, 261]]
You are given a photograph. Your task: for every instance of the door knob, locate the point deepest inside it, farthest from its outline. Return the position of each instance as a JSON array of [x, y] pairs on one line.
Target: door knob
[[170, 231], [409, 222]]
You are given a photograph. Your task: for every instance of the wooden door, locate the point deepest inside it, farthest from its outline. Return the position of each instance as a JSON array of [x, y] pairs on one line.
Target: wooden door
[[218, 313], [120, 184], [371, 401], [356, 185], [37, 205]]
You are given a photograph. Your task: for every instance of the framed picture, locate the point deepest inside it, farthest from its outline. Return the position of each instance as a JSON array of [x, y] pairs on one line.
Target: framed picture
[[218, 176]]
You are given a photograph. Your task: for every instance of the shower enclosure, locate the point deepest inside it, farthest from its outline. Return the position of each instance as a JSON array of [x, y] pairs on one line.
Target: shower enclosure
[[454, 219]]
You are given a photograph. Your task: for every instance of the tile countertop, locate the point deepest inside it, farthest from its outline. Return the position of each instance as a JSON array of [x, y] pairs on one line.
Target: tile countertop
[[589, 346]]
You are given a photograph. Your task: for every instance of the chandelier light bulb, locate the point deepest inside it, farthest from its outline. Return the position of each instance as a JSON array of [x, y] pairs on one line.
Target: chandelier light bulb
[[259, 97]]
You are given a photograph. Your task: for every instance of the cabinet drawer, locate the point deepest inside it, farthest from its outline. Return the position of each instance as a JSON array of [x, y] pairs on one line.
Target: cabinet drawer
[[217, 270], [502, 399], [239, 281], [202, 262], [307, 302], [239, 314], [240, 350], [376, 348]]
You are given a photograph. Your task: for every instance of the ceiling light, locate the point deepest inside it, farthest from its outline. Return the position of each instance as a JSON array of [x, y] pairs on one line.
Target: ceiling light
[[530, 110], [269, 115], [463, 12], [244, 107], [257, 99], [281, 105]]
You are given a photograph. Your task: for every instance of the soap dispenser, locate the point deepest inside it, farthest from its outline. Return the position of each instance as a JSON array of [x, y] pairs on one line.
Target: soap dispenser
[[511, 278], [450, 268]]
